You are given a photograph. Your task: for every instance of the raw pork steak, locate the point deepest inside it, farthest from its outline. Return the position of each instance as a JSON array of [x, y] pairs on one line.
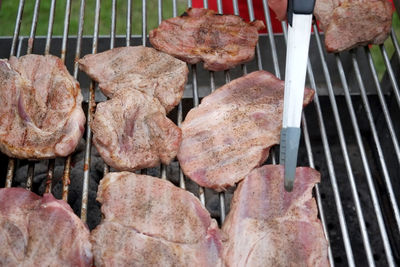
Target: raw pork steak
[[40, 113], [231, 131], [150, 222], [142, 68], [268, 226], [36, 231], [221, 41], [131, 132], [351, 23]]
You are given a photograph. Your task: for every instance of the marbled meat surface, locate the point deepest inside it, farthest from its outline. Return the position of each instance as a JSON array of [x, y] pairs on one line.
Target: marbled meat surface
[[352, 23], [150, 222], [231, 131], [138, 68], [40, 231], [221, 41], [131, 132], [268, 226], [40, 113]]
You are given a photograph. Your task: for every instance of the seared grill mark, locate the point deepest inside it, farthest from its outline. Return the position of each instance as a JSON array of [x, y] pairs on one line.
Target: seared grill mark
[[268, 226], [40, 96], [221, 41], [348, 24], [26, 219], [131, 132], [231, 131], [138, 68], [151, 218]]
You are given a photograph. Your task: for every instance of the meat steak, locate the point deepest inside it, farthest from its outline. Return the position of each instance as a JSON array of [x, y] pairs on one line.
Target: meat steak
[[231, 131], [40, 113], [268, 226], [40, 231], [142, 68], [150, 222], [131, 132], [348, 24], [221, 41]]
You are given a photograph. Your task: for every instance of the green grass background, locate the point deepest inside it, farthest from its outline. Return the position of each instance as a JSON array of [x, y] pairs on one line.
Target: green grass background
[[9, 8]]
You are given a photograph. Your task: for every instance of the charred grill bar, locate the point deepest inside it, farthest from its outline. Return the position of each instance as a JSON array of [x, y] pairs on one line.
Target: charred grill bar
[[349, 161]]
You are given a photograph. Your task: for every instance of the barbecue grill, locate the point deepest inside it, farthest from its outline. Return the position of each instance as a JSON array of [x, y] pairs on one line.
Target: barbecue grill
[[350, 132]]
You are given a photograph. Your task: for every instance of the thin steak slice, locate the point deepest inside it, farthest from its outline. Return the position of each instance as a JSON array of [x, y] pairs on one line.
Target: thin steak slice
[[150, 222], [131, 132], [231, 131], [221, 41], [268, 226], [142, 68], [348, 24], [41, 231], [40, 113]]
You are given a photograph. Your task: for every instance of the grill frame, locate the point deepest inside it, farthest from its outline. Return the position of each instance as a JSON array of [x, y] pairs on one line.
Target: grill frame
[[348, 249]]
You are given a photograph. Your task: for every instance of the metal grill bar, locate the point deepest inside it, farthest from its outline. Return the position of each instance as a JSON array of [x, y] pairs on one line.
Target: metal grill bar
[[236, 12], [163, 168], [33, 27], [67, 168], [364, 159], [144, 24], [378, 145], [195, 104], [50, 27], [113, 22], [31, 170], [271, 39], [50, 168], [331, 170], [49, 176], [128, 22], [219, 6], [383, 105], [259, 64], [67, 165], [316, 187], [31, 165], [79, 38], [353, 187], [395, 42], [91, 105], [221, 195], [391, 73], [66, 27], [180, 115], [106, 168], [160, 15], [258, 53], [17, 26], [144, 29], [181, 176], [10, 172], [195, 91]]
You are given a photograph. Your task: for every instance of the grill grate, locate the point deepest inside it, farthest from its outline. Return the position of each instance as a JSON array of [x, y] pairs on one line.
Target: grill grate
[[351, 160]]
